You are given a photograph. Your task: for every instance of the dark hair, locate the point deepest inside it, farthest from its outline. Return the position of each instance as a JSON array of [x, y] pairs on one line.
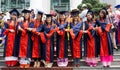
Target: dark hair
[[91, 15], [25, 19], [104, 13], [47, 22], [12, 19], [41, 17], [59, 19]]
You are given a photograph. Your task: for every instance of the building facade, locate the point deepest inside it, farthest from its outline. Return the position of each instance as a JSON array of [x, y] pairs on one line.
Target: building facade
[[47, 5], [6, 5], [43, 5]]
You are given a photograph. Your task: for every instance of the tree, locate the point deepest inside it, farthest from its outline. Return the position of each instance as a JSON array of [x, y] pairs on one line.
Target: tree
[[94, 5]]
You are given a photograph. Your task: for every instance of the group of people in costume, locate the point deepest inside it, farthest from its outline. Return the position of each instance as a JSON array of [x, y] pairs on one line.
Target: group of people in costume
[[35, 38]]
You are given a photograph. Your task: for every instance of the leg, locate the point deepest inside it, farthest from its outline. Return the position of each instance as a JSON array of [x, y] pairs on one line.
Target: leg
[[78, 62], [35, 62], [114, 40], [38, 62], [74, 62]]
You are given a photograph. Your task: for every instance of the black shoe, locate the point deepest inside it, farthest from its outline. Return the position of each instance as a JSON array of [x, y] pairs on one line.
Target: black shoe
[[104, 66], [116, 49]]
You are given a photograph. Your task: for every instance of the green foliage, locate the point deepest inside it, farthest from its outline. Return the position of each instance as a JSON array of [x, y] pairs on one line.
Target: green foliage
[[96, 10], [88, 5], [95, 5], [92, 2]]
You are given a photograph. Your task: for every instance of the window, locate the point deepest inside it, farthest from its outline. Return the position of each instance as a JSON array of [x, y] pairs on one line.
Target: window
[[19, 4], [60, 4]]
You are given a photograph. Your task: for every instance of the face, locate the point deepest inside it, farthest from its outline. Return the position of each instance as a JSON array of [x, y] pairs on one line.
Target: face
[[39, 16], [89, 16], [119, 9], [27, 16], [101, 14], [109, 9], [48, 19], [75, 18], [62, 17], [13, 16]]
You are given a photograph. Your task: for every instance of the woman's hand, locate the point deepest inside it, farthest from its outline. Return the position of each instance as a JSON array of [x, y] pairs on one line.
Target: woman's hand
[[29, 29], [11, 30], [19, 28], [67, 30], [85, 31]]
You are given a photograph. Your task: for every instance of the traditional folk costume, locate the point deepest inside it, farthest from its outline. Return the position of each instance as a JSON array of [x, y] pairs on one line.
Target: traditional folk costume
[[11, 40]]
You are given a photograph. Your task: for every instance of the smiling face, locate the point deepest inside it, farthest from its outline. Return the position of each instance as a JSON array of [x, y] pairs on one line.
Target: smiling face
[[102, 14], [62, 17], [13, 16], [89, 16], [109, 8], [27, 16], [75, 18], [49, 19], [39, 16]]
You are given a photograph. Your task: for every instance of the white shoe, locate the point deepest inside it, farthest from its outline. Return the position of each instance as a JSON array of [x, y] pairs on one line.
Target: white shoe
[[65, 62], [60, 62], [49, 65]]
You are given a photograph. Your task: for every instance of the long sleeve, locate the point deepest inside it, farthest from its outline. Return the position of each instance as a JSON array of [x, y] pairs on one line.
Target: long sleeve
[[39, 28], [63, 26], [55, 22], [50, 33], [90, 34], [42, 35], [108, 26], [60, 32], [72, 34], [6, 29], [99, 31], [22, 30], [31, 25]]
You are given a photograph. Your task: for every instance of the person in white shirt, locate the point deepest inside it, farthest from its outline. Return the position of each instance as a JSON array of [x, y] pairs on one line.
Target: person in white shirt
[[84, 12]]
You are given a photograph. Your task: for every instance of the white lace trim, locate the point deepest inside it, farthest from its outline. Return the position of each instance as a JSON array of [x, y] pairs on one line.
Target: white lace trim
[[11, 58]]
